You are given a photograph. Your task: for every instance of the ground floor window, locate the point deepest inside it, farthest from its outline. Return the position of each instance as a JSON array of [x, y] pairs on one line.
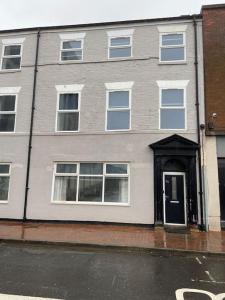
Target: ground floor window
[[4, 182], [91, 182]]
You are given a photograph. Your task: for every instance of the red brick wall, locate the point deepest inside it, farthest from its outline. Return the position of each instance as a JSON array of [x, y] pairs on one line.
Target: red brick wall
[[214, 66]]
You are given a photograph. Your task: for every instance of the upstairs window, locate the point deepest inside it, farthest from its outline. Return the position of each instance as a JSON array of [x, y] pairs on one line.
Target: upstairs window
[[172, 47], [118, 110], [7, 113], [172, 109], [11, 57], [120, 43], [68, 112], [72, 50], [120, 47], [4, 181]]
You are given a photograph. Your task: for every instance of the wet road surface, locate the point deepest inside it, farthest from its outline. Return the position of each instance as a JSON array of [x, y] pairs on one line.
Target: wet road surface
[[91, 274]]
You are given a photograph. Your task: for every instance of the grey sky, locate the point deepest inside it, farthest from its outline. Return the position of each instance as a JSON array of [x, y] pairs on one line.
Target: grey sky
[[29, 13]]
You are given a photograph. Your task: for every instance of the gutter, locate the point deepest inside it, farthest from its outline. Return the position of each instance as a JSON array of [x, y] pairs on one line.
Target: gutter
[[31, 127], [200, 175]]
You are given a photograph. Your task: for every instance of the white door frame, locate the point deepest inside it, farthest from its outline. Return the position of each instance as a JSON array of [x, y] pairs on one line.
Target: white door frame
[[164, 198]]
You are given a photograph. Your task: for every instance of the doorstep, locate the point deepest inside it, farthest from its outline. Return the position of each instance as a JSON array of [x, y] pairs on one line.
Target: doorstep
[[108, 235]]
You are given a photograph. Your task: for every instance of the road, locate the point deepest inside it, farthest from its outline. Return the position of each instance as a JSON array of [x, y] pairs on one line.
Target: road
[[91, 274]]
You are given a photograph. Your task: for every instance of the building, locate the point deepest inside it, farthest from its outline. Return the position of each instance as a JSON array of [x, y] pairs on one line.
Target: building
[[214, 146], [100, 122]]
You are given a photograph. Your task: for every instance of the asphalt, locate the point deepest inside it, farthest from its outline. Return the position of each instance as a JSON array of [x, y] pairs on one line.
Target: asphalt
[[61, 272]]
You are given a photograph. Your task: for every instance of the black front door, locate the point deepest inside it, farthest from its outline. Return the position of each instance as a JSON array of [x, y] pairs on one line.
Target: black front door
[[221, 165], [174, 198]]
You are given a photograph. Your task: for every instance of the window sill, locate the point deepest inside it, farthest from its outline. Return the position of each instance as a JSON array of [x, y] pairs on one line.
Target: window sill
[[67, 62], [11, 71], [120, 58], [4, 202], [90, 203], [172, 63]]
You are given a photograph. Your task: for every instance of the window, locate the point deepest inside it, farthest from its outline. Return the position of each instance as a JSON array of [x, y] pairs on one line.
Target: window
[[120, 43], [72, 50], [11, 57], [91, 183], [7, 113], [172, 109], [120, 47], [118, 110], [172, 47], [68, 112], [4, 182]]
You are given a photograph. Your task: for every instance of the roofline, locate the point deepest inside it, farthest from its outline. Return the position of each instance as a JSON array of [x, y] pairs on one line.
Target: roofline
[[126, 22], [212, 6]]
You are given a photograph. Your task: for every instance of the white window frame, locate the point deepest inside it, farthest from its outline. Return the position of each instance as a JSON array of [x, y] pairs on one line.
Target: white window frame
[[118, 87], [103, 176], [13, 112], [12, 42], [67, 111], [71, 37], [120, 34], [173, 84], [161, 46], [6, 175]]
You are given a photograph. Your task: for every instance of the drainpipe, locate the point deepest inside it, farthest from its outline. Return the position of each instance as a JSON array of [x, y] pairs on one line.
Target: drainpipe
[[31, 127], [202, 226]]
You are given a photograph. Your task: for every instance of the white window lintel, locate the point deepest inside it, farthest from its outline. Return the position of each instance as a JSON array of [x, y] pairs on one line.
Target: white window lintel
[[119, 85], [72, 36], [172, 28], [71, 88], [10, 90], [172, 84], [119, 33], [13, 41]]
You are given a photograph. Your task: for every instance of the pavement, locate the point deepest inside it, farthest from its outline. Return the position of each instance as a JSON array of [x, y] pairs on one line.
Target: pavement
[[61, 272], [106, 235]]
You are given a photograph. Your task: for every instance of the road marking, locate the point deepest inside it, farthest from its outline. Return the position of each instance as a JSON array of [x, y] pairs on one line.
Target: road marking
[[180, 294], [210, 276], [198, 260], [207, 281], [16, 297]]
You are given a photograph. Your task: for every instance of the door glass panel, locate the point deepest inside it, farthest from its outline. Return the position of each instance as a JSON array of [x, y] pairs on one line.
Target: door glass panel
[[174, 188]]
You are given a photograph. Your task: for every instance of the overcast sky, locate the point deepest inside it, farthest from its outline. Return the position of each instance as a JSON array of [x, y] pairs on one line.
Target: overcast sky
[[30, 13]]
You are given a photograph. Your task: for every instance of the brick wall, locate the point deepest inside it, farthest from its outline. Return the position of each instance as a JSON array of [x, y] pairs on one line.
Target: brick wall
[[214, 66]]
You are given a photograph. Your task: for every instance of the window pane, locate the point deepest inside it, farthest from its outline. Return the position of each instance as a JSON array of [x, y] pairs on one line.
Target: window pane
[[7, 122], [118, 120], [172, 39], [11, 63], [66, 168], [71, 44], [12, 50], [116, 168], [121, 41], [90, 189], [173, 97], [68, 121], [118, 99], [65, 188], [68, 101], [7, 103], [120, 52], [4, 169], [172, 118], [170, 54], [4, 188], [91, 169], [72, 55], [116, 189]]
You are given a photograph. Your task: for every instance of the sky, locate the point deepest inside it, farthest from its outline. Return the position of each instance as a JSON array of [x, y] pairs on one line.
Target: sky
[[32, 13]]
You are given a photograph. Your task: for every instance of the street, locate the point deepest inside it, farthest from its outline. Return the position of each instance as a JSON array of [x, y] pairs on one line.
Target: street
[[86, 274]]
